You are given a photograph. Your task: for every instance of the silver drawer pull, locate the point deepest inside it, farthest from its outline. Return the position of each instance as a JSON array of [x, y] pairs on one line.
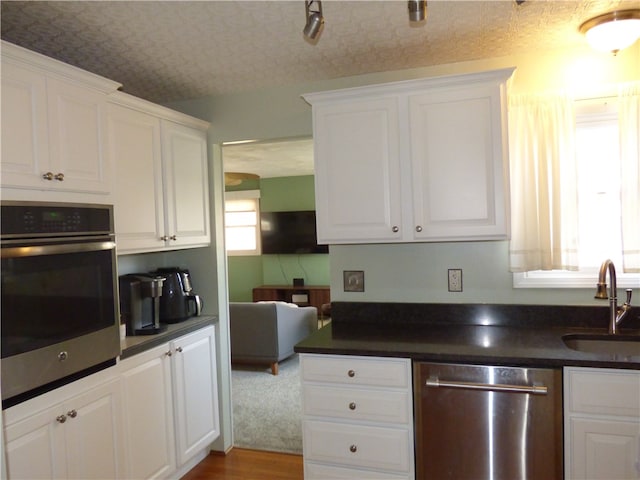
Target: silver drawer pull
[[353, 448], [534, 389], [61, 418], [352, 406], [351, 373], [72, 413]]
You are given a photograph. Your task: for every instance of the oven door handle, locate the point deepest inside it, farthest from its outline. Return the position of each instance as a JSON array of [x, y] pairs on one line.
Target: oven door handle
[[39, 250]]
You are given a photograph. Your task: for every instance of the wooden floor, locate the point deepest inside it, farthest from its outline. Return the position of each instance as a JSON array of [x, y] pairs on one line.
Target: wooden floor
[[243, 464]]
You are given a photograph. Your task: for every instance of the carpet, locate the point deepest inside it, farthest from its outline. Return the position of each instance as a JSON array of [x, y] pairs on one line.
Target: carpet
[[266, 408]]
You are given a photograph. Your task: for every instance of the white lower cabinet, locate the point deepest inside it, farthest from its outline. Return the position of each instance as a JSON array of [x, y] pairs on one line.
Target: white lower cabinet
[[170, 404], [72, 432], [602, 424], [148, 417], [148, 414], [357, 417]]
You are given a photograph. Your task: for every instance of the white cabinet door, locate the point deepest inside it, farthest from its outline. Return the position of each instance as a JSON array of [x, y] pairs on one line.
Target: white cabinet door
[[605, 449], [458, 171], [76, 124], [602, 423], [186, 185], [148, 414], [35, 447], [52, 134], [93, 433], [357, 171], [135, 151], [195, 392], [79, 438], [25, 141]]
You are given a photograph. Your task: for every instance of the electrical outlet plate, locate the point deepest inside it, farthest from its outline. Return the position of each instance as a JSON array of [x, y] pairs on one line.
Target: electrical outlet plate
[[455, 280], [353, 280]]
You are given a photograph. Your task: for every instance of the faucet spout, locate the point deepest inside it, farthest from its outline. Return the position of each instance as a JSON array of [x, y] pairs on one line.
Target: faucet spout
[[615, 314]]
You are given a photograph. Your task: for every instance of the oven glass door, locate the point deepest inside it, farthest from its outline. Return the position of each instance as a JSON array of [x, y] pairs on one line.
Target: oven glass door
[[52, 293]]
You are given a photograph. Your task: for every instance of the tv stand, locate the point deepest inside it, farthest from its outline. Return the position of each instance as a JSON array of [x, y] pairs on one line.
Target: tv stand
[[314, 295]]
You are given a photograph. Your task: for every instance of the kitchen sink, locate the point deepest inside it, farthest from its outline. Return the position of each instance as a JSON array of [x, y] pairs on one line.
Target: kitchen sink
[[606, 344]]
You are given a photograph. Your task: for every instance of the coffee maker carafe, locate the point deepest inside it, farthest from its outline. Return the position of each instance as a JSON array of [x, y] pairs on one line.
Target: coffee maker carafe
[[140, 295], [178, 301]]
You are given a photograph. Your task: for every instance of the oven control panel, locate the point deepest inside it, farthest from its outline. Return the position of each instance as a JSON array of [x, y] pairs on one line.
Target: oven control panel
[[35, 219]]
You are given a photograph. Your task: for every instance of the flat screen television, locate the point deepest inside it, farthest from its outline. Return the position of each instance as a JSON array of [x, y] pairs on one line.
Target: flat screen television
[[290, 232]]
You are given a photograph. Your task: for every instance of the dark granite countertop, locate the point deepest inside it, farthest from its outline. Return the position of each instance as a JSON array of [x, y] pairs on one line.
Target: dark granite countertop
[[133, 345], [518, 335]]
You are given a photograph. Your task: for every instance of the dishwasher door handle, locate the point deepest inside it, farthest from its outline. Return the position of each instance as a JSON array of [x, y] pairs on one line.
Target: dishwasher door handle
[[489, 387]]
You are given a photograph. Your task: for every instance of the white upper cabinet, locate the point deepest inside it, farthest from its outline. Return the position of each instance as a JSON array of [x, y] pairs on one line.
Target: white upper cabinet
[[184, 153], [357, 170], [52, 125], [161, 193], [414, 161]]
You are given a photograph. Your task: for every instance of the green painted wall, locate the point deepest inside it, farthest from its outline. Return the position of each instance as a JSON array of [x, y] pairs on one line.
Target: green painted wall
[[245, 272]]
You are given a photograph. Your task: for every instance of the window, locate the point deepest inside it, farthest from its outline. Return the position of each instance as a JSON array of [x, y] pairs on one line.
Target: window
[[599, 206], [242, 222]]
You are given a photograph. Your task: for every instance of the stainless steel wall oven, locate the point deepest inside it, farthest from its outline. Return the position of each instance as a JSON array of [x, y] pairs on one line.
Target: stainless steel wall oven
[[59, 295]]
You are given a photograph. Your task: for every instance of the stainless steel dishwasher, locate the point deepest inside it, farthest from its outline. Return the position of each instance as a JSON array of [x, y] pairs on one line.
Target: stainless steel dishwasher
[[487, 423]]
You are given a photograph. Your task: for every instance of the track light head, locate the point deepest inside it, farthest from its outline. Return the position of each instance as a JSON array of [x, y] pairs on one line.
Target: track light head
[[315, 20], [417, 10]]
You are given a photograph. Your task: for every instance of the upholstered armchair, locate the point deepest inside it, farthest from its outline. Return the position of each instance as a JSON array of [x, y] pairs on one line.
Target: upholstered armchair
[[266, 332]]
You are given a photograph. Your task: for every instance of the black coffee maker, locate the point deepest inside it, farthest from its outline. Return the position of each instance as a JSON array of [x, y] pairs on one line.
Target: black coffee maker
[[140, 295], [178, 301]]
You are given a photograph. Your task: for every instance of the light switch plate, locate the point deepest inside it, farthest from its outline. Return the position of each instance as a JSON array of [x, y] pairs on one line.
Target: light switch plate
[[455, 280], [353, 280]]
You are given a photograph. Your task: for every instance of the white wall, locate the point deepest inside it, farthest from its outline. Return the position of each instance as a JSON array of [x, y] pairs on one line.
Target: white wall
[[418, 272], [393, 273]]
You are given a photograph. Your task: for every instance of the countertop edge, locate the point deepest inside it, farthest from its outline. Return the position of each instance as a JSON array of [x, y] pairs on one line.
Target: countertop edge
[[133, 345]]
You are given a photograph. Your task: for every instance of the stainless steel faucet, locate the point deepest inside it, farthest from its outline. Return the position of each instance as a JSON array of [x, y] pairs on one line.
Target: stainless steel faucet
[[615, 314]]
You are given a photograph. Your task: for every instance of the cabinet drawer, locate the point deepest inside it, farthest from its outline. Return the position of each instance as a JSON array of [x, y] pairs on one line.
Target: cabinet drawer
[[388, 406], [391, 372], [315, 471], [377, 448], [615, 392]]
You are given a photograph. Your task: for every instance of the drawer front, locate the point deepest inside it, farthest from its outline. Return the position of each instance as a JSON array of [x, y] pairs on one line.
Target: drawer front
[[387, 406], [316, 471], [614, 392], [376, 448], [352, 370]]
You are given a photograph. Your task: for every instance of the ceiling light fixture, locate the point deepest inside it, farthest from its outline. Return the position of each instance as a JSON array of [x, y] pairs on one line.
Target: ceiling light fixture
[[612, 31], [315, 20], [417, 10], [232, 179]]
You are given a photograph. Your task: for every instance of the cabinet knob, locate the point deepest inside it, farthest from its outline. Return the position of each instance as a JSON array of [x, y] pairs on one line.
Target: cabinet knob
[[61, 418], [352, 406], [395, 229], [169, 353], [164, 238], [418, 228], [353, 448], [59, 177], [72, 413], [62, 356], [179, 349], [48, 176], [173, 237], [351, 373]]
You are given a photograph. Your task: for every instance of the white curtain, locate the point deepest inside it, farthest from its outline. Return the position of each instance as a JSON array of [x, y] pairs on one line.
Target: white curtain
[[629, 115], [544, 200]]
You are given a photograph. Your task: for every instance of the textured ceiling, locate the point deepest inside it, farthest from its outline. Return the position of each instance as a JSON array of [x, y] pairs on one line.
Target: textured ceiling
[[165, 51]]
